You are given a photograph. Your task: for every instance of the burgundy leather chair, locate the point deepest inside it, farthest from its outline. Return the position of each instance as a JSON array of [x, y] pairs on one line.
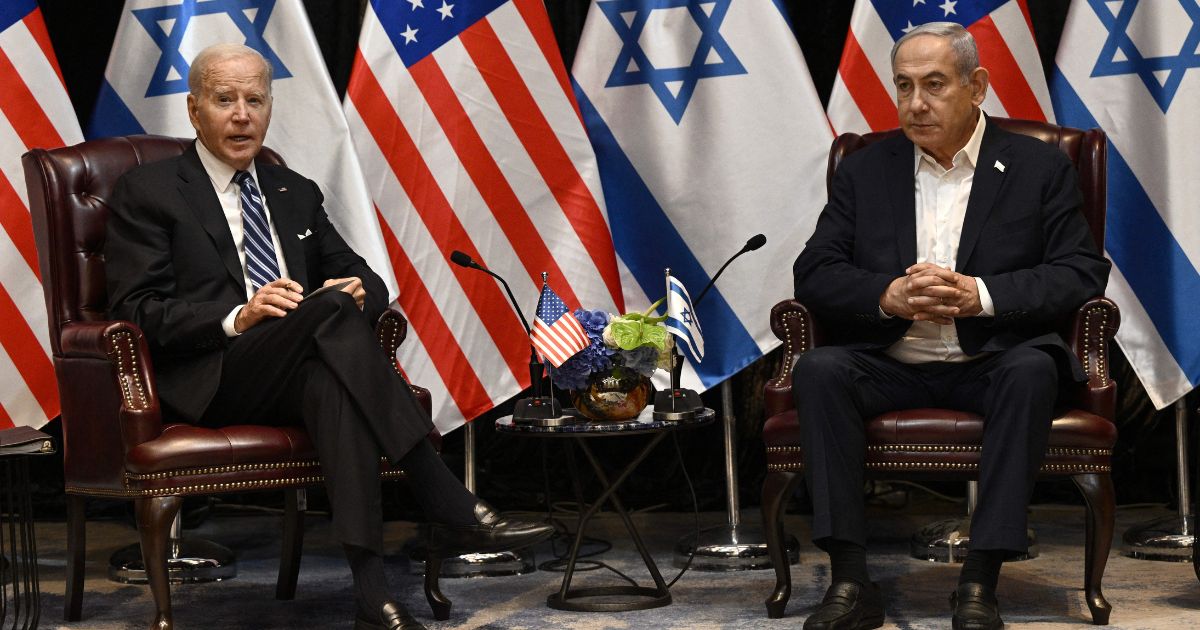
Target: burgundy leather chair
[[946, 443], [115, 444]]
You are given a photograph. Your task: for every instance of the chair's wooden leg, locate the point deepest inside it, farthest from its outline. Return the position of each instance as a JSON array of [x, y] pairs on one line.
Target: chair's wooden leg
[[154, 516], [776, 489], [1098, 492], [76, 552], [433, 591], [293, 541]]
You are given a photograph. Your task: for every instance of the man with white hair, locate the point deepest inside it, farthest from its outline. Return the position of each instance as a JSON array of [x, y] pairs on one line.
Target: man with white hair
[[211, 254], [940, 267]]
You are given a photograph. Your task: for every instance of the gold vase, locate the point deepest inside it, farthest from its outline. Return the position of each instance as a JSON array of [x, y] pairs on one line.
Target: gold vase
[[613, 395]]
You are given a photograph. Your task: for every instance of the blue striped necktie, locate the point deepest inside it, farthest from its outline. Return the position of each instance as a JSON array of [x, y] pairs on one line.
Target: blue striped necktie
[[261, 264]]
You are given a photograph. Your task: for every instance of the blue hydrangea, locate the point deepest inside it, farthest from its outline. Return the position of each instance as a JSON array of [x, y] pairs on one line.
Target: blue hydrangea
[[596, 357]]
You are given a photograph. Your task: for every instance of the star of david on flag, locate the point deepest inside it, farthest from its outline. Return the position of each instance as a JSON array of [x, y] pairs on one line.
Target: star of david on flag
[[680, 320], [692, 139], [1126, 69], [168, 24], [145, 91], [672, 84], [1161, 74], [556, 334]]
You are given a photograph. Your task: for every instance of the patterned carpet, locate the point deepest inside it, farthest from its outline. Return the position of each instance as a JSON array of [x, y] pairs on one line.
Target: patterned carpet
[[1042, 593]]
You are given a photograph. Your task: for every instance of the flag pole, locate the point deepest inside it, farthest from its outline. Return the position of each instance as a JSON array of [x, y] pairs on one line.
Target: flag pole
[[549, 372]]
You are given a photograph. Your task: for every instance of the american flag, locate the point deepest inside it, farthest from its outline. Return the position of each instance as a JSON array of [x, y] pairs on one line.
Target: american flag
[[863, 98], [556, 334], [470, 138], [34, 112]]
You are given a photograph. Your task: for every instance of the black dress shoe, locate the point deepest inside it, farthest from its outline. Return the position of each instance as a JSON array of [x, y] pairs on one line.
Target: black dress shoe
[[848, 606], [975, 608], [489, 533], [390, 616]]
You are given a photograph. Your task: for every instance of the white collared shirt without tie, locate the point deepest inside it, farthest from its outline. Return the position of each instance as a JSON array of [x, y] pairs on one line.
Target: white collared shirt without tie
[[941, 207]]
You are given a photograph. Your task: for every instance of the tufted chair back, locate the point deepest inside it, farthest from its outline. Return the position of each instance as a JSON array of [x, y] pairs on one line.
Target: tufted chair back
[[115, 445], [946, 443]]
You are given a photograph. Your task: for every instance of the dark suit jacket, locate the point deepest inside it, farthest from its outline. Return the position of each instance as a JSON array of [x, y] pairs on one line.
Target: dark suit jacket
[[173, 268], [1023, 235]]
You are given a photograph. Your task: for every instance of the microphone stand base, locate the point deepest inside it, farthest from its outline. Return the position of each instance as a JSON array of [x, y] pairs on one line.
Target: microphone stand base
[[676, 405], [538, 411]]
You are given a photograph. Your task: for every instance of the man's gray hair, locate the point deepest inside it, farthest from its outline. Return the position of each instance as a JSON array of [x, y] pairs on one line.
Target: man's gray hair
[[205, 59], [966, 54]]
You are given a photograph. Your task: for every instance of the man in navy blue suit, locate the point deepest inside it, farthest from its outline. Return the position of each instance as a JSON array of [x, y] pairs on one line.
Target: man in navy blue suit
[[940, 266], [211, 253]]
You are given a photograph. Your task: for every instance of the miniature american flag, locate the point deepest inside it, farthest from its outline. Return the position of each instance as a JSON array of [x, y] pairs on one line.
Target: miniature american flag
[[556, 334]]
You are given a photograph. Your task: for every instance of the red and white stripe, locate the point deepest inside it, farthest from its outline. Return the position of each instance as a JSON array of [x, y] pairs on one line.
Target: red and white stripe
[[479, 147], [863, 98], [560, 340], [34, 113]]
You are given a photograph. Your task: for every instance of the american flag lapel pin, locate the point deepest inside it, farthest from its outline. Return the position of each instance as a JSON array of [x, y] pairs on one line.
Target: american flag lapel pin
[[999, 166]]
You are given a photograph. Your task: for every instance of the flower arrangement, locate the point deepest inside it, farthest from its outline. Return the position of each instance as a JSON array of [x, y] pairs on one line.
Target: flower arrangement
[[620, 346]]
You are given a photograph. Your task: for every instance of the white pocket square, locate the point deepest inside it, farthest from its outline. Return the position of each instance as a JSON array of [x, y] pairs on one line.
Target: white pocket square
[[307, 233]]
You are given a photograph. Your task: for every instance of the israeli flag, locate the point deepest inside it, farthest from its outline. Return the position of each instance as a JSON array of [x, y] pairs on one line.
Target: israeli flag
[[708, 130], [681, 319], [1131, 68], [145, 91]]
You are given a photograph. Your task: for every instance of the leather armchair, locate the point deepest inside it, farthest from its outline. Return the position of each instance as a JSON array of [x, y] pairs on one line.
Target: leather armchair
[[946, 443], [115, 443]]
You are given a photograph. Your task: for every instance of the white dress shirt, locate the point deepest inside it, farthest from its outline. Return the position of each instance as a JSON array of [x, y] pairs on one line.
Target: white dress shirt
[[941, 207], [221, 176]]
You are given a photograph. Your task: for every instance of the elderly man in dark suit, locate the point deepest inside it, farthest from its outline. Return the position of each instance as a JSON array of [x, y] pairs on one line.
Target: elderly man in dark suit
[[940, 265], [210, 254]]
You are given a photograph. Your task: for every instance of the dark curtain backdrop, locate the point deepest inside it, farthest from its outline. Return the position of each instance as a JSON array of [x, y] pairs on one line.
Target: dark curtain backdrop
[[83, 32]]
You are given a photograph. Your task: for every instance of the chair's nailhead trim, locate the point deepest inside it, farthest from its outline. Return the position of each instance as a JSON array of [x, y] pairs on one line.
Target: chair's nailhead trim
[[940, 466], [951, 448], [217, 470], [127, 371], [207, 488], [790, 348]]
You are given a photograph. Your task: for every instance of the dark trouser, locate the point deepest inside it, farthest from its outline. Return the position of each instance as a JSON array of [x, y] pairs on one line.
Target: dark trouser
[[836, 389], [321, 363]]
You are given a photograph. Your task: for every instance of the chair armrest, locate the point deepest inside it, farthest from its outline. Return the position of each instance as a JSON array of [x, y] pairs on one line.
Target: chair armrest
[[106, 384], [391, 330], [794, 325], [1092, 329]]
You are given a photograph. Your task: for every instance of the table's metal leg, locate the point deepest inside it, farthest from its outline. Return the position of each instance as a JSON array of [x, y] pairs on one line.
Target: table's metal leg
[[1169, 538], [735, 546], [19, 586], [569, 599], [611, 495]]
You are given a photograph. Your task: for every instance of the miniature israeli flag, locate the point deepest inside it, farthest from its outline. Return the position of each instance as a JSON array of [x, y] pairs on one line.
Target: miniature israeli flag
[[681, 319]]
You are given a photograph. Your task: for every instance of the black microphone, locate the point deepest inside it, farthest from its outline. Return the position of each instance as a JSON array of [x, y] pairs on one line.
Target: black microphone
[[464, 260], [537, 407], [681, 404], [755, 242]]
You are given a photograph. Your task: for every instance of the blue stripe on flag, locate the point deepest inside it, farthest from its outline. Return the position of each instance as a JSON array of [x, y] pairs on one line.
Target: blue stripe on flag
[[647, 241], [1140, 243], [13, 11], [111, 117]]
